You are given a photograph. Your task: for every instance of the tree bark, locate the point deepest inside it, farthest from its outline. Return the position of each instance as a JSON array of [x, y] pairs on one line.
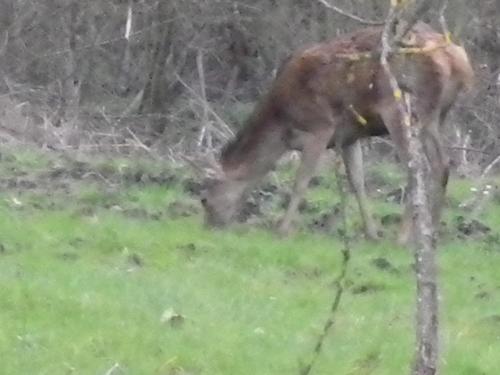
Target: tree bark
[[421, 184], [126, 60], [155, 91], [70, 83], [427, 341]]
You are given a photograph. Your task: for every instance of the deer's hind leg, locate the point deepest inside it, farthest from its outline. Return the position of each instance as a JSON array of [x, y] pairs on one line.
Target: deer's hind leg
[[439, 163], [353, 159], [430, 111], [394, 122], [428, 116]]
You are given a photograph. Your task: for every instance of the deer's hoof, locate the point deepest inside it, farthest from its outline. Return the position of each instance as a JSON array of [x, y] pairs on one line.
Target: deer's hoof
[[405, 238], [284, 229], [373, 236]]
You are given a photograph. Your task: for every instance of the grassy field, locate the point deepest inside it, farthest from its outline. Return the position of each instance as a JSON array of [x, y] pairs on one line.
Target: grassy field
[[107, 270]]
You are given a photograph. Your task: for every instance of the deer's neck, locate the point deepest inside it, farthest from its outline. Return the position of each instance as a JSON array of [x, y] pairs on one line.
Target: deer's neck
[[256, 147]]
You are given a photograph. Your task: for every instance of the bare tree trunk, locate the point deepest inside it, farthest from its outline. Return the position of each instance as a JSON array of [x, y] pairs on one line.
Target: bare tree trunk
[[155, 91], [421, 185], [126, 61], [6, 19], [70, 83], [427, 343], [205, 136]]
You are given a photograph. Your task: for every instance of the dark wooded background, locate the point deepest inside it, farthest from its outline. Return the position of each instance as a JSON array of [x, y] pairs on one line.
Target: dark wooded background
[[71, 79]]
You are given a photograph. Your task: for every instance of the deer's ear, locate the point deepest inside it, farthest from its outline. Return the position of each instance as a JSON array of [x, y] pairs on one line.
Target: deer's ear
[[206, 167]]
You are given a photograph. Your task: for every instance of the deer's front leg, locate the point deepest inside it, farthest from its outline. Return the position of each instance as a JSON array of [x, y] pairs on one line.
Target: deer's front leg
[[313, 147]]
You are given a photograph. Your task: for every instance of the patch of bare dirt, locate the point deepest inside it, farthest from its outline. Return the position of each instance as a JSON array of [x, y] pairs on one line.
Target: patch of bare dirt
[[304, 273], [326, 222], [367, 288], [395, 195], [181, 208], [471, 227], [142, 214], [383, 264], [192, 187], [68, 256], [191, 250], [390, 219]]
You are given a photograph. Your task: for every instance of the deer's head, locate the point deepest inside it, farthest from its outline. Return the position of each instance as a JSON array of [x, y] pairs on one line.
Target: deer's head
[[221, 194], [221, 199]]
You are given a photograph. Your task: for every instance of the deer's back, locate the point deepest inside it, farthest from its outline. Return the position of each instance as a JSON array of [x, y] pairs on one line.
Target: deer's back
[[340, 71]]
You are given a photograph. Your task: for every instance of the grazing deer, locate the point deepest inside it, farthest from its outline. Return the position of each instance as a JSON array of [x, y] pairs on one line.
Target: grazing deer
[[332, 94]]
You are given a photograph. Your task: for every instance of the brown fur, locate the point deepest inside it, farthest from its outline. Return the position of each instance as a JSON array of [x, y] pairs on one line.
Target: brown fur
[[323, 94], [316, 70]]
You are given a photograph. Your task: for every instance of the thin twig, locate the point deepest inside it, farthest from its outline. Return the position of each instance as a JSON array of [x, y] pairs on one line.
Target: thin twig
[[105, 42], [386, 49], [350, 15], [226, 133], [413, 19], [483, 121], [490, 166], [139, 142], [389, 143], [482, 191], [205, 131], [442, 20], [469, 149], [100, 176], [484, 110], [339, 281], [116, 366]]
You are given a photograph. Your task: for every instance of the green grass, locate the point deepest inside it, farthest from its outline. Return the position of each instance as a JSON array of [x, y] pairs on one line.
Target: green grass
[[82, 290]]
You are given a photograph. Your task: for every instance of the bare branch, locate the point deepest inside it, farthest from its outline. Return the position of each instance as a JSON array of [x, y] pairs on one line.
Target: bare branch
[[490, 166], [468, 149], [225, 132], [139, 143], [112, 370], [442, 20], [412, 19], [350, 15], [339, 282], [205, 131], [481, 191], [386, 49]]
